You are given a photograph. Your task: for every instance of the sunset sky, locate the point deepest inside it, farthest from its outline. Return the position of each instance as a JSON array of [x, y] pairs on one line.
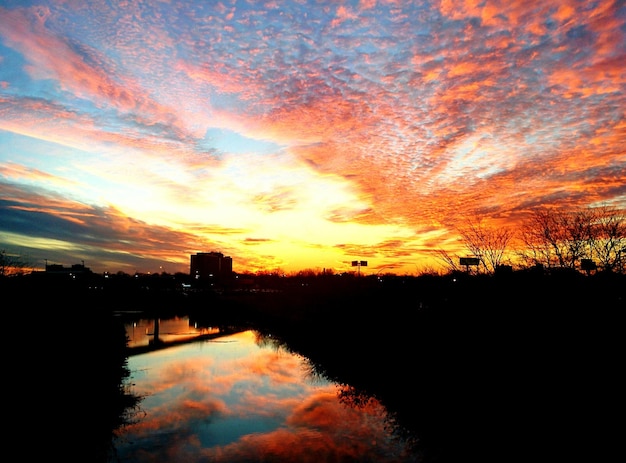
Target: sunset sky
[[300, 134]]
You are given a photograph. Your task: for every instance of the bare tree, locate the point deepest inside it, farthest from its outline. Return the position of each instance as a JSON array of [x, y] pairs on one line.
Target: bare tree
[[553, 238], [12, 264], [489, 245], [536, 233], [563, 238], [447, 260], [607, 238]]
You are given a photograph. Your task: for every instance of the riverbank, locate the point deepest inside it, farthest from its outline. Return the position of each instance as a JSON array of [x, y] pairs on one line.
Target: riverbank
[[487, 368]]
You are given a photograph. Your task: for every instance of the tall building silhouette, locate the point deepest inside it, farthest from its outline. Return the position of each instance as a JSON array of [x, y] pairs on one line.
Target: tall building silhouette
[[211, 265]]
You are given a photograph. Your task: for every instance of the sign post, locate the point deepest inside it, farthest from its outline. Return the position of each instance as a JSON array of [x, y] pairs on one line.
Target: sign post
[[467, 261], [359, 264]]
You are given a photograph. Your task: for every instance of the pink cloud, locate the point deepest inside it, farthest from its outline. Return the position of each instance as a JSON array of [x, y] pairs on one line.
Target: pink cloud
[[25, 30]]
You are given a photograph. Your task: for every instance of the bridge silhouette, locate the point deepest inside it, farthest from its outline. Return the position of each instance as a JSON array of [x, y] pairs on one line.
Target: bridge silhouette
[[158, 344]]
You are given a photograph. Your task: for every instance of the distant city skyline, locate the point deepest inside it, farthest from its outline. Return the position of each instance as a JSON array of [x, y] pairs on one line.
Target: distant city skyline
[[300, 135]]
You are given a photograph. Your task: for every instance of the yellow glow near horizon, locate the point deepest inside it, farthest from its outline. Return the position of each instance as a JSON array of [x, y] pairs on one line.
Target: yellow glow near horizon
[[301, 137]]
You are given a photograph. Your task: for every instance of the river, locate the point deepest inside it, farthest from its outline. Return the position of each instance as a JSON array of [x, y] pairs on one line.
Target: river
[[211, 396]]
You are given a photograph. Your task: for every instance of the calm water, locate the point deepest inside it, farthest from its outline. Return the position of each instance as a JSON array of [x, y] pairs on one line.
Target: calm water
[[241, 398]]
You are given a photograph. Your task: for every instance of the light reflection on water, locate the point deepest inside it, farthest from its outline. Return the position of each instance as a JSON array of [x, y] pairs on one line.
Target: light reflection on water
[[141, 332], [238, 398]]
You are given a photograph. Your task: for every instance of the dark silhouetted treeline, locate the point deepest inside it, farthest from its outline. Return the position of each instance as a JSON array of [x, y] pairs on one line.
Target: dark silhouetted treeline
[[487, 367], [67, 363]]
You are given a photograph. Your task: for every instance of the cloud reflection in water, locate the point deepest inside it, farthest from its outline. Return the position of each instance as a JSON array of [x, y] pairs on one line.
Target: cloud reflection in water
[[235, 399]]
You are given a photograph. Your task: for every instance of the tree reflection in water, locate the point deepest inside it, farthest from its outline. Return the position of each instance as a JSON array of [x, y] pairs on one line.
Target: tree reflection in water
[[325, 361], [123, 409]]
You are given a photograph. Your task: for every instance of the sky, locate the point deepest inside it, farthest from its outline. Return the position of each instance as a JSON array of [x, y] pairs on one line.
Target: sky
[[301, 134]]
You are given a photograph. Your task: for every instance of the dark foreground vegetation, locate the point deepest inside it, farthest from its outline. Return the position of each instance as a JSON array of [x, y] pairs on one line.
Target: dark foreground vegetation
[[502, 367], [477, 367], [67, 363]]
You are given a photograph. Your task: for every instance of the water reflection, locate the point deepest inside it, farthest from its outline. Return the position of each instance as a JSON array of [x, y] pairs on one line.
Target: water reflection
[[242, 398], [145, 332]]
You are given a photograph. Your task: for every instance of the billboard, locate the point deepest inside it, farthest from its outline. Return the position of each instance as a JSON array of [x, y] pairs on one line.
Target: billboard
[[469, 261], [357, 263]]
